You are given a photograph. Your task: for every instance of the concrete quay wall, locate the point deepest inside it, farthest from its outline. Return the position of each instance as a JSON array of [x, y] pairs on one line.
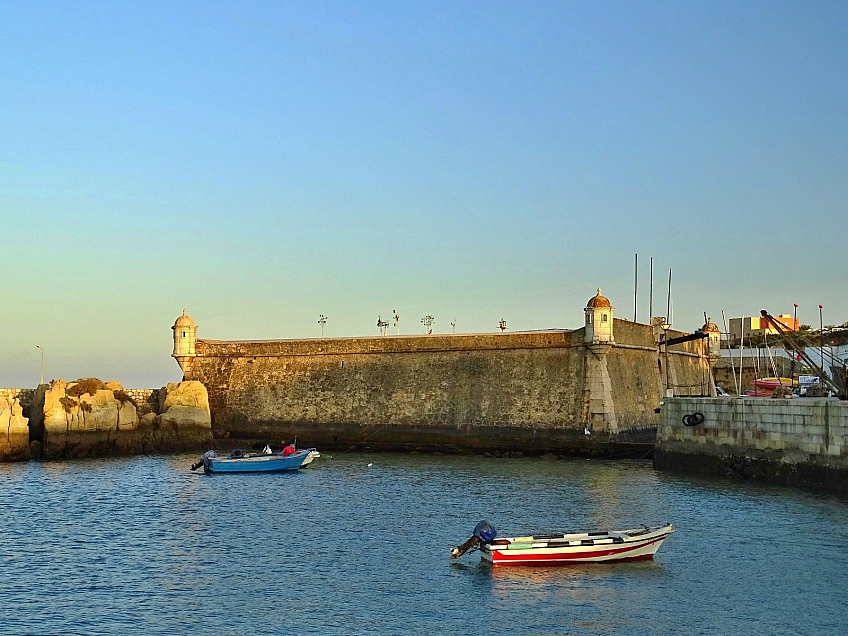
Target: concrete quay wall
[[800, 442], [524, 391]]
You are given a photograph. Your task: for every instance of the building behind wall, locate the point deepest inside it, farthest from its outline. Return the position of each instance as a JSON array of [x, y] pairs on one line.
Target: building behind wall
[[749, 326]]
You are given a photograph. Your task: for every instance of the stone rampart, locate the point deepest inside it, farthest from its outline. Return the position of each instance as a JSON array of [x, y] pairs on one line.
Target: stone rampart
[[146, 400], [519, 391], [790, 441]]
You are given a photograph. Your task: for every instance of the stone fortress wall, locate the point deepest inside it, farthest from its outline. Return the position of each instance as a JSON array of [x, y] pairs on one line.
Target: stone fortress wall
[[146, 400], [434, 391], [592, 390]]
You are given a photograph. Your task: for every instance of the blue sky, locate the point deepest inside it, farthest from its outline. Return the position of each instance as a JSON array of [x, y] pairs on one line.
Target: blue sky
[[261, 163]]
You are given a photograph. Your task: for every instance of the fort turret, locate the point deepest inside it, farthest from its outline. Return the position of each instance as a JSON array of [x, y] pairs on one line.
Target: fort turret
[[713, 341], [185, 336], [599, 313], [598, 404]]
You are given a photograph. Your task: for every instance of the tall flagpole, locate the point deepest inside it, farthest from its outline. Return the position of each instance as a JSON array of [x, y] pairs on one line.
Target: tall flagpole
[[635, 286], [651, 292]]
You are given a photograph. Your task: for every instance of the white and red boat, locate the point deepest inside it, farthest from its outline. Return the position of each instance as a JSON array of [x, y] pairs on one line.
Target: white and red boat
[[550, 549]]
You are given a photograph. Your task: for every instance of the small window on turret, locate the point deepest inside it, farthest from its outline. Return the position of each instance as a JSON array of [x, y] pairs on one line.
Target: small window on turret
[[603, 317], [184, 334]]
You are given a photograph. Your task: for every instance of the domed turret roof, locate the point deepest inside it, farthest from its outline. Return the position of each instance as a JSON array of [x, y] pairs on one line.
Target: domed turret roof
[[710, 327], [184, 321], [598, 301]]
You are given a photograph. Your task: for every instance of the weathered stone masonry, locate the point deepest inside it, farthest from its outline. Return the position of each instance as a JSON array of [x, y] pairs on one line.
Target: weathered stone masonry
[[533, 392]]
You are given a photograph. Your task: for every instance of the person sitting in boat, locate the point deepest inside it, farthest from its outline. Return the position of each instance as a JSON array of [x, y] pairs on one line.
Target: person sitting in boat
[[289, 450]]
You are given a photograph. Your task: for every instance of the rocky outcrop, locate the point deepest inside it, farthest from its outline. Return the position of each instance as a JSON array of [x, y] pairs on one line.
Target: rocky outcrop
[[92, 418], [190, 394], [86, 421], [14, 431], [183, 415]]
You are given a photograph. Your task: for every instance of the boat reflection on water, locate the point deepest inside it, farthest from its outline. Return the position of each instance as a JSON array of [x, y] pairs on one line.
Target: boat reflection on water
[[563, 576], [542, 586], [559, 575], [590, 589], [571, 572]]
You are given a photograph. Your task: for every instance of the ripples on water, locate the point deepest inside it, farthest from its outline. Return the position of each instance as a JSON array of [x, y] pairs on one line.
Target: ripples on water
[[142, 545]]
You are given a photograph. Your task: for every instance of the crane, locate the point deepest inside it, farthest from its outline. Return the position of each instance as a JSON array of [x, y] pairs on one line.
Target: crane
[[801, 353]]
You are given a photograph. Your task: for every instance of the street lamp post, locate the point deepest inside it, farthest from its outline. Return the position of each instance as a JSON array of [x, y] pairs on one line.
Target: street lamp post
[[428, 321], [42, 363]]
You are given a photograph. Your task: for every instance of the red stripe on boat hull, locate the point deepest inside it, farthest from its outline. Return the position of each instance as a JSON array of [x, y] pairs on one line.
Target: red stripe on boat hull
[[505, 557]]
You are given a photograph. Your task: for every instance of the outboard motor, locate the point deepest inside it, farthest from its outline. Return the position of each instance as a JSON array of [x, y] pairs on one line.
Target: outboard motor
[[484, 532], [204, 460]]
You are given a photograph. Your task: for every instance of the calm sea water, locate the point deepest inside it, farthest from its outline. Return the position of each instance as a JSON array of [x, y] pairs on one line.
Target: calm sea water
[[142, 545]]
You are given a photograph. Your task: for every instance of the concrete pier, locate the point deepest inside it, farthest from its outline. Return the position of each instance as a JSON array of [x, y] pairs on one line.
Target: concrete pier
[[802, 442]]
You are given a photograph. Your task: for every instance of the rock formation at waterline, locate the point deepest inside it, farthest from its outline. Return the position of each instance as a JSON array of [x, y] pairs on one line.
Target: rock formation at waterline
[[183, 411], [14, 431], [92, 418]]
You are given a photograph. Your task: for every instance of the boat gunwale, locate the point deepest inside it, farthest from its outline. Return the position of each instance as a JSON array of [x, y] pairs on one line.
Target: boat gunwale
[[633, 534], [563, 545], [644, 550]]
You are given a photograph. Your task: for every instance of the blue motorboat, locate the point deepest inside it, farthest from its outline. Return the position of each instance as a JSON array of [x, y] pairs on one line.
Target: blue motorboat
[[265, 462]]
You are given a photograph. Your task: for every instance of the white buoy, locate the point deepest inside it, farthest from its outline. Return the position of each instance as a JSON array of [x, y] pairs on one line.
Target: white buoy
[[371, 464]]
